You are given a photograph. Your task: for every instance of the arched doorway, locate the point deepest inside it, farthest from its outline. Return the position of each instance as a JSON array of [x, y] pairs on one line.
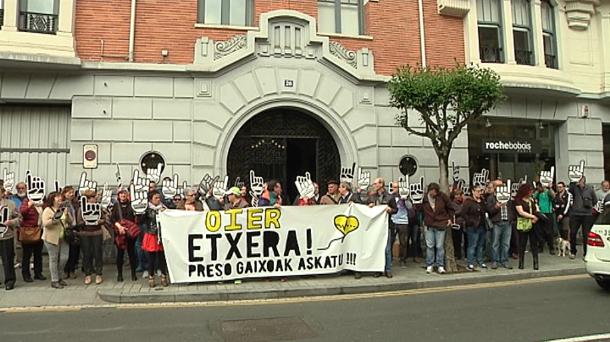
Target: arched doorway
[[283, 143]]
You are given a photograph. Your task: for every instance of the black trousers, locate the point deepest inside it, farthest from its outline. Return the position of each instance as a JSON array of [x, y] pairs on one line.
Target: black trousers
[[533, 239], [29, 250], [156, 261], [545, 232], [7, 254], [93, 253], [73, 257], [131, 252], [403, 239], [456, 235], [577, 222]]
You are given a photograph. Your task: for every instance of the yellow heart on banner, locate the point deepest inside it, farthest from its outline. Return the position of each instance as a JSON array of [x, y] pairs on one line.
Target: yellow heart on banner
[[346, 224]]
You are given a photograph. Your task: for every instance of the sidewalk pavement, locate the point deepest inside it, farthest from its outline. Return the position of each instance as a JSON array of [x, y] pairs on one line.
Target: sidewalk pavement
[[40, 293]]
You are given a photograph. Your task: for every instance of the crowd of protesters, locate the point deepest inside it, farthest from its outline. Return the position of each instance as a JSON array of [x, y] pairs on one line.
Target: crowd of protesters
[[489, 224]]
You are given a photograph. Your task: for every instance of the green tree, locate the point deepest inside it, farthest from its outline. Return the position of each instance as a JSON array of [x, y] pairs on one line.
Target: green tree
[[447, 100]]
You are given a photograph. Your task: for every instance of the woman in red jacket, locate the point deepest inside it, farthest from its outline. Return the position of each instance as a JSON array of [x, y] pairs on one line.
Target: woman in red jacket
[[32, 221]]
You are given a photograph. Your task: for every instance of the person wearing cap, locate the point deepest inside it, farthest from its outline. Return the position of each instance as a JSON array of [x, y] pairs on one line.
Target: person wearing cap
[[332, 194], [190, 203], [234, 199]]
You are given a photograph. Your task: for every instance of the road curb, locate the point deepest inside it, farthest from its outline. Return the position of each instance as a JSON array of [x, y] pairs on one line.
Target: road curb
[[167, 295]]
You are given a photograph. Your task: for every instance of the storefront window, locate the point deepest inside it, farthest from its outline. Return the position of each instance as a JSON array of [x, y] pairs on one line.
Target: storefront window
[[510, 148]]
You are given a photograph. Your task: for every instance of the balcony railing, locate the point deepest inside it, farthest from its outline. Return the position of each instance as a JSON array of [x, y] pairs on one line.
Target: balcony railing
[[550, 61], [38, 22], [524, 57], [490, 55]]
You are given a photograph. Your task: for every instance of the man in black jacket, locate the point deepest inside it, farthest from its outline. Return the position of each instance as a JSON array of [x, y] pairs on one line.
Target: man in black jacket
[[581, 213], [561, 204]]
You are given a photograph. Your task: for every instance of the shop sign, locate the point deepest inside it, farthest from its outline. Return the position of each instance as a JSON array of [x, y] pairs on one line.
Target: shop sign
[[508, 145]]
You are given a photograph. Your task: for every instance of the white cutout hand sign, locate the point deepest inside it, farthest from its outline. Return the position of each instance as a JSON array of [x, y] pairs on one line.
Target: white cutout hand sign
[[515, 188], [455, 172], [239, 183], [575, 172], [481, 178], [403, 187], [169, 187], [599, 206], [56, 186], [254, 201], [256, 184], [36, 187], [183, 189], [207, 182], [546, 177], [462, 185], [9, 180], [140, 183], [154, 175], [364, 179], [347, 174], [417, 191], [90, 212], [305, 186], [106, 197], [139, 199], [117, 174], [220, 187], [503, 192], [4, 216], [86, 184]]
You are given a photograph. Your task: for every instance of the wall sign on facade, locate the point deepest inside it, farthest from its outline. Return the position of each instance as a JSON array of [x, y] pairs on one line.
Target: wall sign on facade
[[510, 146], [90, 156]]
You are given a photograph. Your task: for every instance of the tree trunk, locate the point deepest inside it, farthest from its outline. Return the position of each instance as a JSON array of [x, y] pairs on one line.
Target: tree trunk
[[450, 264]]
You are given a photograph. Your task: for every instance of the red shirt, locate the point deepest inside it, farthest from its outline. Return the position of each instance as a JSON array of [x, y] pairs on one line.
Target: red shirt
[[30, 215]]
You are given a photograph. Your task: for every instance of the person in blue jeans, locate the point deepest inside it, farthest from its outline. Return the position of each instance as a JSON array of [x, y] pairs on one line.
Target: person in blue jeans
[[381, 196], [501, 213], [473, 213], [438, 216]]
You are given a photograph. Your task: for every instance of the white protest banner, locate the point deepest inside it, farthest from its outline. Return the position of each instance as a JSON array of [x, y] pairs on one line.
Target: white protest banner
[[270, 242]]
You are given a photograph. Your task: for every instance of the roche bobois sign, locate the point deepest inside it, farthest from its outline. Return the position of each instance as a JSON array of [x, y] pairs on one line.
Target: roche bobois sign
[[510, 146]]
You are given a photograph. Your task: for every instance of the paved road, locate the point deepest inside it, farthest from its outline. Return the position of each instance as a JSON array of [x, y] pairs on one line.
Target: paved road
[[532, 310]]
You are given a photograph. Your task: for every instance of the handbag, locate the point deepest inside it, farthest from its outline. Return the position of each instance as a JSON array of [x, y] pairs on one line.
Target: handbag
[[525, 224], [133, 229], [30, 235]]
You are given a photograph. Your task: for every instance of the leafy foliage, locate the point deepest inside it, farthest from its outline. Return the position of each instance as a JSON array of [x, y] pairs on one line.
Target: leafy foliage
[[447, 98]]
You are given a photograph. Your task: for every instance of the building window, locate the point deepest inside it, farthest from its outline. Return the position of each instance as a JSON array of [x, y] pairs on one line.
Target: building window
[[489, 18], [548, 34], [341, 16], [226, 12], [39, 16], [522, 32]]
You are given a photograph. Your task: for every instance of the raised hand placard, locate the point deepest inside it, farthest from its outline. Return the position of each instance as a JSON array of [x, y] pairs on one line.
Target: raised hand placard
[[220, 187], [140, 183], [575, 172], [305, 186], [239, 183], [139, 199], [503, 192], [154, 175], [206, 184], [364, 179], [90, 212], [455, 172], [480, 178], [36, 187], [403, 187], [416, 191], [256, 184], [546, 177], [347, 174], [169, 187], [85, 184], [106, 197], [9, 180], [4, 216]]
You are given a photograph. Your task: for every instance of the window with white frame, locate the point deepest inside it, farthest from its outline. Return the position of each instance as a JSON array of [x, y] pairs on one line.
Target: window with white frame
[[341, 16], [548, 34], [39, 16], [522, 32], [489, 21], [225, 12]]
